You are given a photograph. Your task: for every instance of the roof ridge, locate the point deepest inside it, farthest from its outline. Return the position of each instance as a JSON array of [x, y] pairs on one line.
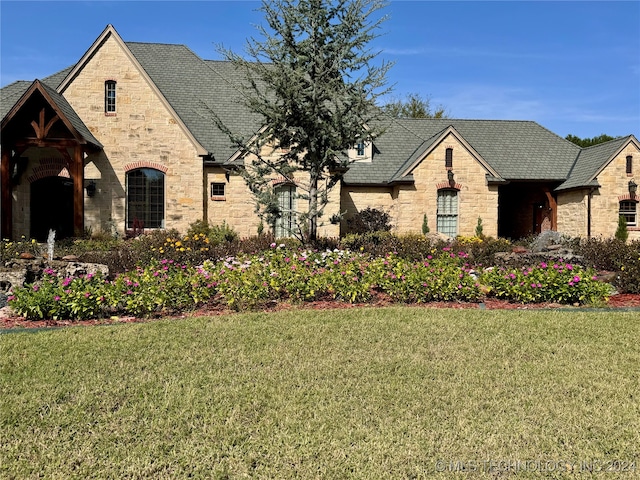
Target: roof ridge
[[617, 139]]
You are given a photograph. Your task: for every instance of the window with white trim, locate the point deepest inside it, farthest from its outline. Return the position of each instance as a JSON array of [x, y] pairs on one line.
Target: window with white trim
[[145, 198], [286, 224], [628, 210], [447, 214], [110, 96]]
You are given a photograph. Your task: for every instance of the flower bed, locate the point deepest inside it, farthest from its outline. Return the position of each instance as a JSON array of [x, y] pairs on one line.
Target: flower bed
[[284, 275]]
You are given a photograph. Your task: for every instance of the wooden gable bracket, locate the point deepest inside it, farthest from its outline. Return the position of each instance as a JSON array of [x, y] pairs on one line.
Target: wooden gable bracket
[[40, 128]]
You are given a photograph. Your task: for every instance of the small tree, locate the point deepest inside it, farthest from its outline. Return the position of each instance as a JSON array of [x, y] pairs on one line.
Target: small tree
[[622, 233], [370, 220], [479, 228], [425, 225], [313, 83]]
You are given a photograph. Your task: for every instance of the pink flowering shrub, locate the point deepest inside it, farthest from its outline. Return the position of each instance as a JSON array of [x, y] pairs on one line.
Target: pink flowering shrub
[[249, 281], [555, 282]]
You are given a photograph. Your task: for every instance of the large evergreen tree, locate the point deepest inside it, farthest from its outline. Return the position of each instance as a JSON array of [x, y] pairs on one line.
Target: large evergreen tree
[[314, 80]]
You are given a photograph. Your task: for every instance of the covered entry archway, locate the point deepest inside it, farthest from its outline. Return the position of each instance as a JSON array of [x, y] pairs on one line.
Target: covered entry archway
[[42, 118], [526, 208]]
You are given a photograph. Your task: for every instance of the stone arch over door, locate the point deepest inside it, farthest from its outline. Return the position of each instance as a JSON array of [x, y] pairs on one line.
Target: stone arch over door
[[51, 206]]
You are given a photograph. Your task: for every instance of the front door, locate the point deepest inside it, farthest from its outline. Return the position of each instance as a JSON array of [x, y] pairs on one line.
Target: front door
[[52, 208]]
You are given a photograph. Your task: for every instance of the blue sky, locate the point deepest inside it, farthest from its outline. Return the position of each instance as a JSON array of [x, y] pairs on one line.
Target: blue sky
[[573, 67]]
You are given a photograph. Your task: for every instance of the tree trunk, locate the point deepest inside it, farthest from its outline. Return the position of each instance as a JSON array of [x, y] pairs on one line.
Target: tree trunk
[[313, 206]]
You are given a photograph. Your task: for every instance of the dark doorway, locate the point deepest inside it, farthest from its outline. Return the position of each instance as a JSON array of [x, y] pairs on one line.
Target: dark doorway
[[524, 209], [52, 208]]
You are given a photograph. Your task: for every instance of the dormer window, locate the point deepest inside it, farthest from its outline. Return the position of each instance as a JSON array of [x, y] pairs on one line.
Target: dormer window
[[360, 149], [629, 165], [110, 97], [448, 159]]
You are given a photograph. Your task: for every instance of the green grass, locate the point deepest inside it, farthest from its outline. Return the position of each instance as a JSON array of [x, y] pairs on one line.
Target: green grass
[[355, 393]]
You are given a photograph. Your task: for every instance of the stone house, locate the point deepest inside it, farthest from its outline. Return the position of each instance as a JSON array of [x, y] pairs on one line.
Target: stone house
[[125, 139]]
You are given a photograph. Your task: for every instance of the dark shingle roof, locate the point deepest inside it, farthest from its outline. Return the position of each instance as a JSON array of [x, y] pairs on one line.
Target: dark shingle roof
[[509, 147], [590, 161], [12, 93], [195, 88], [72, 116]]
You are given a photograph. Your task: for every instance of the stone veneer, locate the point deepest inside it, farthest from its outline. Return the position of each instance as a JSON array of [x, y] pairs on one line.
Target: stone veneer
[[605, 202], [407, 204], [143, 131]]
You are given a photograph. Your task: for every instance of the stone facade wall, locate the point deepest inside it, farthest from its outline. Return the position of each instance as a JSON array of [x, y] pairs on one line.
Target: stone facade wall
[[142, 132], [572, 213], [614, 186], [354, 199], [475, 197], [407, 204], [237, 207]]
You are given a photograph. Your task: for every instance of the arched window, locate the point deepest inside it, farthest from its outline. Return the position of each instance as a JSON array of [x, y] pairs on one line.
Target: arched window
[[286, 224], [110, 96], [447, 215], [628, 210], [145, 198]]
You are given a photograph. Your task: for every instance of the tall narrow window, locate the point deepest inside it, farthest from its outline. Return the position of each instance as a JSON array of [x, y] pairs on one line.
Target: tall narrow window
[[110, 96], [448, 159], [629, 165], [447, 215], [360, 149], [286, 224], [145, 198], [628, 210]]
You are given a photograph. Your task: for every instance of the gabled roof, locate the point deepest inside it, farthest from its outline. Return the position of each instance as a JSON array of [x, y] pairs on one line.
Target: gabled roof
[[65, 112], [507, 148], [592, 160], [197, 90]]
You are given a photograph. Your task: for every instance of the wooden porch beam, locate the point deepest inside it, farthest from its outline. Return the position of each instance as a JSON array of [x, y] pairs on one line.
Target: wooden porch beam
[[6, 199], [78, 190], [553, 205]]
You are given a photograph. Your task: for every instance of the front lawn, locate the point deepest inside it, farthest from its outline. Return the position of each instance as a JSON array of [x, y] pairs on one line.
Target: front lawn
[[359, 393]]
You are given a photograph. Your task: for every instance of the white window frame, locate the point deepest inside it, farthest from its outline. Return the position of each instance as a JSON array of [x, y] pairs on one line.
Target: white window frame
[[629, 210], [447, 212], [286, 224]]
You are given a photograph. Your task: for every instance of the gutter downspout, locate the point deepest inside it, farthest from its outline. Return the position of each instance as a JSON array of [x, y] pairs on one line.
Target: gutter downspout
[[589, 196]]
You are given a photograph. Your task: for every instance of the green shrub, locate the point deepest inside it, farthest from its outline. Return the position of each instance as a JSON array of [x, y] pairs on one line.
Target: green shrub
[[622, 233], [479, 228], [369, 220], [557, 282], [425, 225]]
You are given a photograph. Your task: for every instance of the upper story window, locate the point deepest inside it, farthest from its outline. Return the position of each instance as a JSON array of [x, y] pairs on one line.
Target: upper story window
[[360, 149], [629, 165], [448, 159], [110, 96]]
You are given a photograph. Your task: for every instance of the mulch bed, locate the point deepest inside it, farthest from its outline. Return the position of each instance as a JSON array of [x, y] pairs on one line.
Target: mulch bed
[[619, 301]]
